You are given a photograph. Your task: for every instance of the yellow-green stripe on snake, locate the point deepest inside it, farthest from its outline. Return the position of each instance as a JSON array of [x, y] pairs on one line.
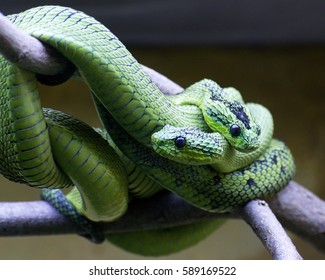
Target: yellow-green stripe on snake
[[31, 152]]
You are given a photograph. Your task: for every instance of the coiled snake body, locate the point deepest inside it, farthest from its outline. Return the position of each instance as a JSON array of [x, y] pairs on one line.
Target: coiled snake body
[[53, 150]]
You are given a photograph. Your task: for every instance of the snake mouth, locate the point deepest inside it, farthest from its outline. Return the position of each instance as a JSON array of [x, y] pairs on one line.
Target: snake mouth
[[251, 146], [246, 146]]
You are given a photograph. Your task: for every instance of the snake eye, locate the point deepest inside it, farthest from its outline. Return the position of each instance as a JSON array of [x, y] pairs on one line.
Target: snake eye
[[180, 142], [235, 130]]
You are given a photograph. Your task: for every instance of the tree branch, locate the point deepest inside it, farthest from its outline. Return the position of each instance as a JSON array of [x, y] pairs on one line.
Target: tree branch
[[164, 210], [260, 217], [28, 52], [168, 210], [302, 212], [38, 217]]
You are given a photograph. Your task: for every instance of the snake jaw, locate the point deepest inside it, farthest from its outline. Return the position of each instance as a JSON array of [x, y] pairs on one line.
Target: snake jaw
[[251, 138], [247, 141]]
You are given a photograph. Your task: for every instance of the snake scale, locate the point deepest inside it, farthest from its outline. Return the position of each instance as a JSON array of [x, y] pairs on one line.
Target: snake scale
[[125, 160]]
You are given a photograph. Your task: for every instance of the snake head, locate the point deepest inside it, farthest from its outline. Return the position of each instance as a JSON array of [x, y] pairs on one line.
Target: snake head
[[188, 145], [235, 122]]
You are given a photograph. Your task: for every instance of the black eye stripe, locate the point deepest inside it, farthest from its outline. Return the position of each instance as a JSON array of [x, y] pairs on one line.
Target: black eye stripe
[[180, 142], [238, 110]]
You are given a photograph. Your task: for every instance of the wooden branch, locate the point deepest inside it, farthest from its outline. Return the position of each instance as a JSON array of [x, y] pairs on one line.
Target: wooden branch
[[28, 52], [164, 210], [40, 218], [302, 212], [264, 223], [34, 218]]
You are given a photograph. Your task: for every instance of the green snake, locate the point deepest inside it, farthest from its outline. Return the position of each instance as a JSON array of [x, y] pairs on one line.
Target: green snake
[[53, 150]]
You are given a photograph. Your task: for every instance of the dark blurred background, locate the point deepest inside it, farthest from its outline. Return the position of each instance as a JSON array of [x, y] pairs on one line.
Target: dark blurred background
[[273, 51]]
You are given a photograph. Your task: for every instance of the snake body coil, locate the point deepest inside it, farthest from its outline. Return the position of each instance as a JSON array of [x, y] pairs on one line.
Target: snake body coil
[[54, 150]]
